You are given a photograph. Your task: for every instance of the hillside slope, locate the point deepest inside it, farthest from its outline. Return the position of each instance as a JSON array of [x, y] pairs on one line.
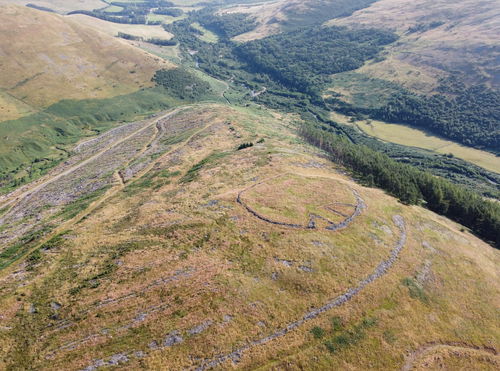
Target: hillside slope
[[60, 6], [168, 244], [50, 58], [438, 37]]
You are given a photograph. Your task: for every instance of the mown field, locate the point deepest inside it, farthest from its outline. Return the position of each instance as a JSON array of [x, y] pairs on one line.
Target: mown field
[[411, 137]]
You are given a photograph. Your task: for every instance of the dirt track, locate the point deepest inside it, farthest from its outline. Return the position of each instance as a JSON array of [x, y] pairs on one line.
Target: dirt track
[[14, 199], [89, 175]]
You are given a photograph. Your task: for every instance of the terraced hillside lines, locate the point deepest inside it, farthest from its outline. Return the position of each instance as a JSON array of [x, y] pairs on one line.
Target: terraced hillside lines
[[166, 270], [84, 151], [15, 198], [106, 332], [331, 226], [487, 354], [379, 271], [235, 355], [87, 178]]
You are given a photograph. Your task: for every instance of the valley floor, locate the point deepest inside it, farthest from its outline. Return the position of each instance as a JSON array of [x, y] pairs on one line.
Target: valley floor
[[411, 137]]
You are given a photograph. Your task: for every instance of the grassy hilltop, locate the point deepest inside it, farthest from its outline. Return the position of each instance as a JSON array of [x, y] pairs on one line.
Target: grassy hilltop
[[222, 213], [187, 249]]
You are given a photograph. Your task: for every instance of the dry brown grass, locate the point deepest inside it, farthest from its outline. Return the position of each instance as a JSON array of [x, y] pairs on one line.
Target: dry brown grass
[[50, 58], [61, 6], [230, 272], [267, 15], [467, 39], [112, 29]]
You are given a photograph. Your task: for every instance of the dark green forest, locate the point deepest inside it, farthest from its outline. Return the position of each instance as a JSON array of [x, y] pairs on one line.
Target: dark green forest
[[222, 61], [320, 11], [303, 60], [181, 84], [227, 25], [472, 117], [410, 185]]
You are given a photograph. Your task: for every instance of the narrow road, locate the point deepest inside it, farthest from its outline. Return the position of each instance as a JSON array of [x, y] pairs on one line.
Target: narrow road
[[39, 186]]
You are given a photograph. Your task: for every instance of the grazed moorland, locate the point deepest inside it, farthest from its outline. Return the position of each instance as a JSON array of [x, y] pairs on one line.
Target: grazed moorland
[[167, 269], [221, 213]]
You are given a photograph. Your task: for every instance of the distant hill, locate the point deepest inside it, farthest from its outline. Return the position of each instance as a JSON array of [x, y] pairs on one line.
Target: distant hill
[[438, 37], [285, 15], [50, 58], [59, 6]]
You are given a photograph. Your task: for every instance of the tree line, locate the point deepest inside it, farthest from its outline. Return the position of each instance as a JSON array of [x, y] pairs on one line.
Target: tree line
[[227, 25], [220, 60], [410, 185], [472, 117], [153, 40], [132, 12]]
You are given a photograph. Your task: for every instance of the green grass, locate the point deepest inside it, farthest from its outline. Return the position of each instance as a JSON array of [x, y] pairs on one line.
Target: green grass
[[74, 208], [54, 242], [407, 136], [362, 90], [11, 254], [113, 9], [40, 141], [193, 172], [170, 53], [36, 256], [3, 210], [151, 181], [166, 19], [415, 291], [350, 337], [208, 36], [317, 332]]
